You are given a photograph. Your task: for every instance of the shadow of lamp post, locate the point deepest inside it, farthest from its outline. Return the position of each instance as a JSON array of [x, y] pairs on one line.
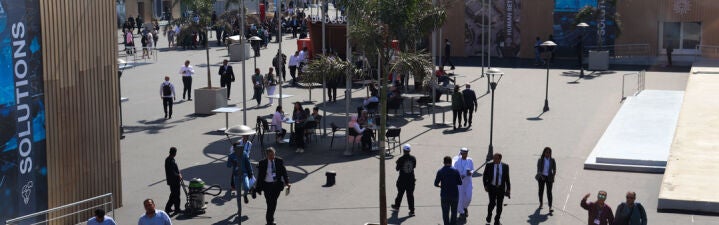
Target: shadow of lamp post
[[491, 76], [547, 45]]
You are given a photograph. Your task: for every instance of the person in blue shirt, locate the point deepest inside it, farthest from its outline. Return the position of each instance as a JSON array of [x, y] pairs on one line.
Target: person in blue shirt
[[100, 218], [239, 161], [448, 181]]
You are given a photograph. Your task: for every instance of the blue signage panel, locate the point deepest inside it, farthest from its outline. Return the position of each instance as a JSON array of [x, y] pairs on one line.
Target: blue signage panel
[[23, 164]]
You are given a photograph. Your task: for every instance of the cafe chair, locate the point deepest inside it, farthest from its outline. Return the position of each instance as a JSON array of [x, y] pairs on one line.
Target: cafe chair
[[393, 137], [335, 129]]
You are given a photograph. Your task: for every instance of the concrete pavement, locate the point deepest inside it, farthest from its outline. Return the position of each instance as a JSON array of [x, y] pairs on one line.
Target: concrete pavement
[[580, 111]]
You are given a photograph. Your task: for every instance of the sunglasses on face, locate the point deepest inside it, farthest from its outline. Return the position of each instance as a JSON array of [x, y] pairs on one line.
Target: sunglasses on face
[[602, 196], [630, 197]]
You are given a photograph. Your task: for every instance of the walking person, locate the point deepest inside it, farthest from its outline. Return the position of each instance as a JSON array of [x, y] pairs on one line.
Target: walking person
[[470, 104], [227, 76], [546, 169], [259, 82], [630, 212], [153, 216], [239, 161], [497, 185], [294, 63], [186, 72], [465, 166], [100, 218], [448, 180], [447, 53], [537, 52], [174, 179], [279, 62], [167, 93], [598, 213], [457, 107], [271, 179], [405, 181], [271, 84]]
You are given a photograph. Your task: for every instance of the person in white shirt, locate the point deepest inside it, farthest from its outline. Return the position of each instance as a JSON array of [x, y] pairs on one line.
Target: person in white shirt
[[186, 72], [277, 119], [294, 63], [153, 216], [465, 166], [304, 56], [100, 218], [167, 93]]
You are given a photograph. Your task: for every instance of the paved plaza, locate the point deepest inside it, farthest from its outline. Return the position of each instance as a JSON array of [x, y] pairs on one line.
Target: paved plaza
[[580, 111]]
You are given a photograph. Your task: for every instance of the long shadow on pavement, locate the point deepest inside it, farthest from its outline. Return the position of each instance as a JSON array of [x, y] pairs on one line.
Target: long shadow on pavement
[[537, 217]]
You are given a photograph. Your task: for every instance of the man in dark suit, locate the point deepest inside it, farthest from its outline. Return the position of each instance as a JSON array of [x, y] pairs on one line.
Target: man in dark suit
[[497, 185], [173, 177], [470, 104], [272, 177], [227, 76]]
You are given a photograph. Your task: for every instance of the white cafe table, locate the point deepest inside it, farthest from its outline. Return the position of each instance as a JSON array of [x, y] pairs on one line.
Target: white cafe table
[[292, 130], [227, 111], [441, 105], [411, 97], [277, 96]]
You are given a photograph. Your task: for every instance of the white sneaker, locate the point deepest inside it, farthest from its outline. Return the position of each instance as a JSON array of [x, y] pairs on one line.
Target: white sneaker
[[302, 150], [298, 150]]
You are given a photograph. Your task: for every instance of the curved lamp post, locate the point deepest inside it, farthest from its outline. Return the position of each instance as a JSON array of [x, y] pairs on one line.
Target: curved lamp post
[[582, 26], [491, 76], [253, 40], [546, 45]]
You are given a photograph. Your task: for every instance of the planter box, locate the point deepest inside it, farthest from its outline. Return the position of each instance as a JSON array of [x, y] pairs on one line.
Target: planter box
[[598, 60], [207, 99], [236, 53]]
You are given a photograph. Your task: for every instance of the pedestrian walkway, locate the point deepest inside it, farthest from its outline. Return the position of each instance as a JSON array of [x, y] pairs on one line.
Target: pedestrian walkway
[[639, 137], [690, 182]]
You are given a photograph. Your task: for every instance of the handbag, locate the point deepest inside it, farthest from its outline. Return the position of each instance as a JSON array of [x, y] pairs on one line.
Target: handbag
[[539, 177]]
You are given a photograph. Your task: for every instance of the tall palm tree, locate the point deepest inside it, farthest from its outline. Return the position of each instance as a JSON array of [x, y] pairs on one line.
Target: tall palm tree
[[374, 24]]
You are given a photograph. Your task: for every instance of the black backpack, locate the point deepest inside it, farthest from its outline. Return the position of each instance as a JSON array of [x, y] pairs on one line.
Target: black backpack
[[166, 90]]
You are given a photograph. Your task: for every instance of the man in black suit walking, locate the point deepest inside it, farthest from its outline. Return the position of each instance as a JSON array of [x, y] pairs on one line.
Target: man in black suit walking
[[227, 76], [470, 104], [497, 185], [173, 176], [271, 180]]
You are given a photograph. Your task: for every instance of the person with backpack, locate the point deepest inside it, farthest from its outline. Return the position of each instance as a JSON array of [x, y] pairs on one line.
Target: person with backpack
[[630, 212], [167, 93]]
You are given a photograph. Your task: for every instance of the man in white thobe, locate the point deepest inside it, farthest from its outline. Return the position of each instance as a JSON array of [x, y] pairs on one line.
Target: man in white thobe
[[465, 166]]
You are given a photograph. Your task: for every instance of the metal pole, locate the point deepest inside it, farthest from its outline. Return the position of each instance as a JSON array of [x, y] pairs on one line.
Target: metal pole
[[546, 90], [434, 64], [278, 15], [489, 36], [485, 42], [244, 55], [348, 87], [490, 152], [324, 80]]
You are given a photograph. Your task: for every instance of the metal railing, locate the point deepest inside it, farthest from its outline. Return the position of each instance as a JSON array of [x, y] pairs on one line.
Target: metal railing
[[623, 53], [711, 51], [71, 213], [641, 83]]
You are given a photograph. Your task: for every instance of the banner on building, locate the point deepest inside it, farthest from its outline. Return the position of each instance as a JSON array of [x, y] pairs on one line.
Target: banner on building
[[23, 164], [601, 30], [503, 28]]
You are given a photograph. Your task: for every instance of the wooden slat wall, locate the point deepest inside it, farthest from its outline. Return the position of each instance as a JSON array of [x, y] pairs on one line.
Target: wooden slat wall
[[79, 40]]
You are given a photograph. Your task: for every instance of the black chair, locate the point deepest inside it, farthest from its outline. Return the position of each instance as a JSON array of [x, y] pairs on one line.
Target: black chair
[[310, 127], [393, 138], [335, 128], [395, 104], [372, 108]]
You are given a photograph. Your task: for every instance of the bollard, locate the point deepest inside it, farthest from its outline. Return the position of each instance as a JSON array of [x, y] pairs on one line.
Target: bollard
[[330, 178]]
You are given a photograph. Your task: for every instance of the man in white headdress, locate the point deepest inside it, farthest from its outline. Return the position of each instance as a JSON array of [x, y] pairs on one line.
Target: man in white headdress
[[465, 166]]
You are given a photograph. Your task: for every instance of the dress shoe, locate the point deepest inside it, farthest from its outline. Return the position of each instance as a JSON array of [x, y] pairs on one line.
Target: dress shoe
[[411, 213], [245, 198], [395, 207], [253, 193]]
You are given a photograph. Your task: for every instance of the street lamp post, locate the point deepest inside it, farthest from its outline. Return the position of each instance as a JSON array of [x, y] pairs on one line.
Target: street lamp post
[[547, 45], [582, 27], [254, 40], [491, 73]]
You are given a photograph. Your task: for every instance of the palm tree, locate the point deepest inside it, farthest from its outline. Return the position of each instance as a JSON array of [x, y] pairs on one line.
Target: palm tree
[[375, 23], [203, 9], [589, 13]]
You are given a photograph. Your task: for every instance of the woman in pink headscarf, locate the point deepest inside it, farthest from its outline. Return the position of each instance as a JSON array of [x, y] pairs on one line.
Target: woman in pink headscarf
[[353, 124]]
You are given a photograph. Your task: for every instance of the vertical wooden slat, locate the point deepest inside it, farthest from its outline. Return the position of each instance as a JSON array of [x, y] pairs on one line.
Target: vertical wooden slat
[[79, 40]]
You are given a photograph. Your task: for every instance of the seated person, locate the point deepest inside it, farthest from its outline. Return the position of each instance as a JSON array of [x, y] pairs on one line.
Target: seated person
[[354, 124], [394, 94], [363, 118], [371, 99], [442, 77], [316, 113], [277, 119]]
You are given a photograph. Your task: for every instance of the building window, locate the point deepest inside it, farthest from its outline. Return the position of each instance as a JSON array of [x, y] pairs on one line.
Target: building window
[[683, 37]]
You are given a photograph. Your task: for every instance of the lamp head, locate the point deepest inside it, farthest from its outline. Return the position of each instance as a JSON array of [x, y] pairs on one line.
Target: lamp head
[[583, 25], [548, 44]]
